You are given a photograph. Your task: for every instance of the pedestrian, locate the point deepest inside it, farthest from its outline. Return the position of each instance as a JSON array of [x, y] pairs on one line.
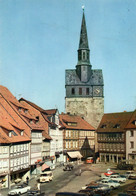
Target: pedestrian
[[27, 180], [39, 187]]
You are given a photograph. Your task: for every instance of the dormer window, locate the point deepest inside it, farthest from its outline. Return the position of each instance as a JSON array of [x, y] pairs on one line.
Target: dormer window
[[72, 123], [10, 134], [103, 126], [22, 132], [19, 109], [26, 111], [31, 122], [117, 126], [134, 122]]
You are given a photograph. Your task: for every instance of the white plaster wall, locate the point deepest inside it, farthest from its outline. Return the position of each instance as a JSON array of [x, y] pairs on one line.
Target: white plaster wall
[[128, 140]]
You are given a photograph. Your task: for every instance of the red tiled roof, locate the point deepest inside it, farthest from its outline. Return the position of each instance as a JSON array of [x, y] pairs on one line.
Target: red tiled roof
[[34, 110], [7, 124], [114, 122], [79, 123], [51, 111], [131, 124]]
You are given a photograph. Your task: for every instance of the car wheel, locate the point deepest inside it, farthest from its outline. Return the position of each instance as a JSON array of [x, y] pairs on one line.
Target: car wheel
[[19, 193], [112, 187]]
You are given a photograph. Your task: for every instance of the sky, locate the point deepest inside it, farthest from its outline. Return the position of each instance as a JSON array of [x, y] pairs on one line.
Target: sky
[[39, 40]]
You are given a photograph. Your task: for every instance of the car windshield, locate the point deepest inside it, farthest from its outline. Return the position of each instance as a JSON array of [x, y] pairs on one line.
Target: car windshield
[[44, 174], [18, 187]]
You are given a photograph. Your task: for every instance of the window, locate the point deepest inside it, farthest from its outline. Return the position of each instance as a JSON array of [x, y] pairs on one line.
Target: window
[[80, 91], [131, 133], [83, 55], [87, 55], [22, 133], [131, 144], [79, 55], [87, 91], [72, 91]]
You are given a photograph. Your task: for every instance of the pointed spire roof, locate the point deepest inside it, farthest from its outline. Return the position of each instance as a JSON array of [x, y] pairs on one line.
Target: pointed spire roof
[[83, 43]]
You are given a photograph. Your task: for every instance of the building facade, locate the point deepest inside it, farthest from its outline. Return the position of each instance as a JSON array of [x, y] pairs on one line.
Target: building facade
[[116, 137], [84, 85], [78, 137], [131, 139]]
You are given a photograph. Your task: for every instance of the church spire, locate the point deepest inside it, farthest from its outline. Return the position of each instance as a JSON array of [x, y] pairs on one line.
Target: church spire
[[83, 43], [83, 67]]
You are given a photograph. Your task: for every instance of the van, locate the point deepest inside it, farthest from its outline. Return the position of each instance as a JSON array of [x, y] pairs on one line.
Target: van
[[89, 160], [46, 176]]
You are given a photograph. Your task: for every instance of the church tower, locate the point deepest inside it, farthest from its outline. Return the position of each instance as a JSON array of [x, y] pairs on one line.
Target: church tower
[[84, 85]]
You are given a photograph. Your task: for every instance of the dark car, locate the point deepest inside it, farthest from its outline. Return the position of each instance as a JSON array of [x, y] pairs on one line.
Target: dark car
[[87, 192], [70, 194], [68, 167], [125, 166], [35, 192]]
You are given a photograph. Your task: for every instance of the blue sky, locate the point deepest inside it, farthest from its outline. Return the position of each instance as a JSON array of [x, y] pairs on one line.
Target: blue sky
[[39, 40]]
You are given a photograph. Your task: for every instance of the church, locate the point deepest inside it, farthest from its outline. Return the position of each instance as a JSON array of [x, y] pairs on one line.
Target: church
[[84, 85]]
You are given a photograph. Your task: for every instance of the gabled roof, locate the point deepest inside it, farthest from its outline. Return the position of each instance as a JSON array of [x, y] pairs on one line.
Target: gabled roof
[[17, 111], [132, 122], [114, 122], [74, 122], [47, 112], [39, 115], [8, 124]]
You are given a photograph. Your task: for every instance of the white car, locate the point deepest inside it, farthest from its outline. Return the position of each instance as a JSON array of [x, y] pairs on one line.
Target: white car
[[46, 176], [112, 184], [130, 174], [20, 189], [116, 178]]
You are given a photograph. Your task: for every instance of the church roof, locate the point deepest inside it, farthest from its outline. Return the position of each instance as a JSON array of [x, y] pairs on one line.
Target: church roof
[[72, 78]]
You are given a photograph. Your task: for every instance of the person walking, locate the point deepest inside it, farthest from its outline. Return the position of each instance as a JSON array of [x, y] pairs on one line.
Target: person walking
[[27, 180]]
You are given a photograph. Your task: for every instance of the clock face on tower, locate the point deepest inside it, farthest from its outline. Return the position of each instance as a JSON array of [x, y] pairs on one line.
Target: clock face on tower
[[97, 91]]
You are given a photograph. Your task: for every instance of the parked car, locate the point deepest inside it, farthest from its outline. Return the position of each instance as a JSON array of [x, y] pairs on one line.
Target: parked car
[[68, 167], [112, 184], [35, 192], [69, 194], [116, 178], [109, 172], [20, 189], [130, 174], [124, 166], [46, 176], [87, 192]]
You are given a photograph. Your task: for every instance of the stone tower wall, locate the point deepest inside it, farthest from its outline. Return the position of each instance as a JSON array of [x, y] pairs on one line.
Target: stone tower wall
[[91, 109]]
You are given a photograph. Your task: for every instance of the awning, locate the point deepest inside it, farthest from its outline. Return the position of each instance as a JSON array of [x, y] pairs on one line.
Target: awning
[[75, 154], [44, 166]]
